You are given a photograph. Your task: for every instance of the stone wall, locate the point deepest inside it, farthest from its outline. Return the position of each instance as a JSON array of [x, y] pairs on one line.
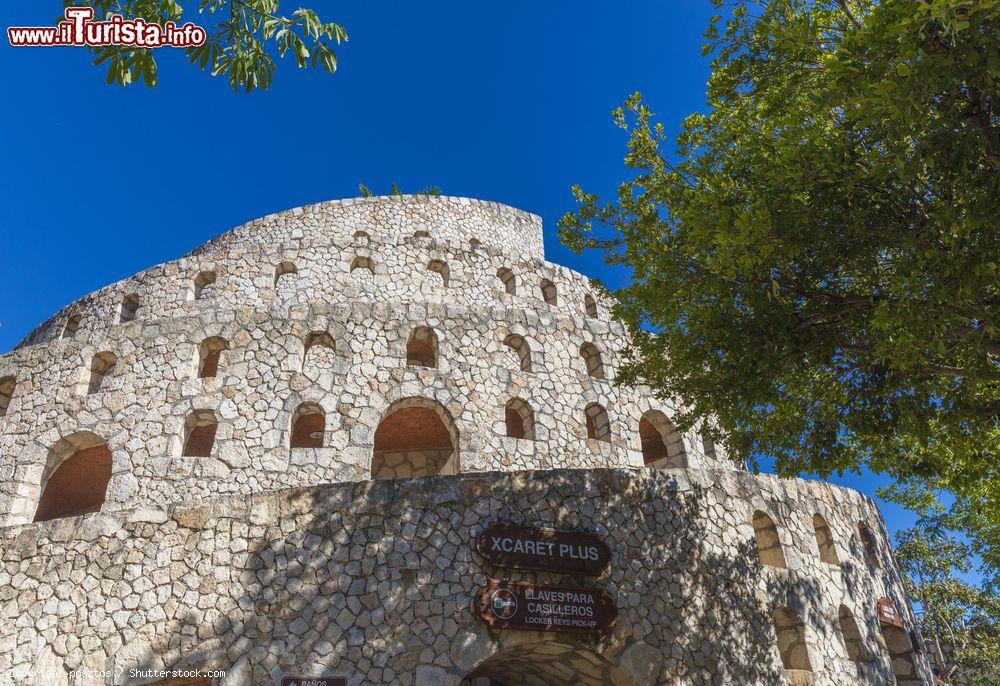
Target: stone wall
[[141, 404], [375, 581], [399, 234]]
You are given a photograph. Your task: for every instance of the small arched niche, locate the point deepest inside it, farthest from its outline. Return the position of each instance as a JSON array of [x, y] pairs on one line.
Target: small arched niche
[[590, 305], [853, 643], [508, 280], [791, 635], [708, 447], [102, 365], [7, 386], [521, 349], [868, 545], [519, 419], [475, 243], [319, 352], [210, 356], [416, 437], [200, 428], [440, 268], [824, 540], [662, 444], [308, 426], [362, 268], [284, 272], [72, 325], [129, 308], [768, 542], [75, 479], [598, 424], [203, 285], [549, 294], [361, 234], [422, 348], [592, 360]]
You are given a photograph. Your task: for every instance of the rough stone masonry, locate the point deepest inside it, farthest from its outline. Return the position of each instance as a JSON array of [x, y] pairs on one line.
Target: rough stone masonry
[[273, 457]]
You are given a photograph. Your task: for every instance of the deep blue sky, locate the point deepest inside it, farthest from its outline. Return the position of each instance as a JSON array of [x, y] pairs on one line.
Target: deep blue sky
[[501, 101]]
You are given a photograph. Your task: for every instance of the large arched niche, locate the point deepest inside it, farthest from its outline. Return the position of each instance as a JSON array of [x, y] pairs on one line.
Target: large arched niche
[[544, 663], [76, 476], [416, 437]]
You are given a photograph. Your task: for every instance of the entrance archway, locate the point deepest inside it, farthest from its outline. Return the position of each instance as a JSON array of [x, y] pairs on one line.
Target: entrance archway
[[416, 437], [545, 663]]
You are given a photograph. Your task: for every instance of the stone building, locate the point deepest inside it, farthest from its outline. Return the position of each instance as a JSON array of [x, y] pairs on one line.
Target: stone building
[[273, 456]]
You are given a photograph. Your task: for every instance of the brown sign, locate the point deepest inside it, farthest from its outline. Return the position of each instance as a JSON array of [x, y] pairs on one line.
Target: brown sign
[[314, 681], [537, 607], [887, 613], [526, 547]]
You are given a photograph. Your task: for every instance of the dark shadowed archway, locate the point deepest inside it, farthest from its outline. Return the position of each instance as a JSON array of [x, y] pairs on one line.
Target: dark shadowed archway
[[545, 663], [416, 437]]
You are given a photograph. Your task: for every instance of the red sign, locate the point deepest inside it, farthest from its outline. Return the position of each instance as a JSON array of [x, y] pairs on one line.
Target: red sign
[[888, 614], [537, 607], [528, 547]]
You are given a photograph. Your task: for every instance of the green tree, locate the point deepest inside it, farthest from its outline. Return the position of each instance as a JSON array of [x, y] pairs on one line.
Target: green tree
[[960, 620], [242, 39], [814, 266]]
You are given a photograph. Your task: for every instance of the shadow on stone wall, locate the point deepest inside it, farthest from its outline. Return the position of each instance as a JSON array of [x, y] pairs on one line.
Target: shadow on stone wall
[[375, 581]]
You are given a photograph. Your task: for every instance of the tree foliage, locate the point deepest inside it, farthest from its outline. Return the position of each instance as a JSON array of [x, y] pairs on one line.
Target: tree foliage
[[242, 39], [815, 263], [961, 619]]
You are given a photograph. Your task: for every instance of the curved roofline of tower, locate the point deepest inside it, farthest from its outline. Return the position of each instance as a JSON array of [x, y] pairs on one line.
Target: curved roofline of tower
[[302, 209]]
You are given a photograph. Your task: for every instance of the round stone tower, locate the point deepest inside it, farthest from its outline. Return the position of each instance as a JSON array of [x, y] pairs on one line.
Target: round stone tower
[[272, 457]]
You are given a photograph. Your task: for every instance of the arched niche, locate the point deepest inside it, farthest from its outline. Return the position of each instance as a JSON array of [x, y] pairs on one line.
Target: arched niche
[[422, 348], [441, 272], [592, 360], [598, 423], [791, 635], [508, 280], [210, 356], [129, 308], [416, 437], [824, 541], [308, 426], [202, 285], [768, 542], [662, 444], [200, 428], [76, 476], [519, 419], [516, 344]]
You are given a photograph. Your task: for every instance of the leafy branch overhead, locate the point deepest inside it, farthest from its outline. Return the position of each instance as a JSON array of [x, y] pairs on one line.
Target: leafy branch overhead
[[816, 259], [243, 38]]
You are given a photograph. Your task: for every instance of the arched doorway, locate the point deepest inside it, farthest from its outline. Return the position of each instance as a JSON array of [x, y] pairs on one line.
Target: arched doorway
[[545, 663], [416, 437], [76, 477]]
